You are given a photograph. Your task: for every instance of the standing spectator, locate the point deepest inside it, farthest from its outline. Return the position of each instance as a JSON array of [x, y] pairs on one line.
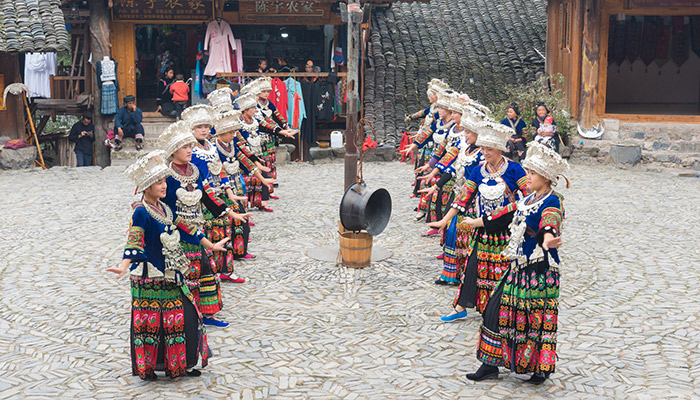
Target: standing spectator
[[165, 99], [309, 67], [263, 68], [83, 135], [517, 145], [235, 92], [283, 65], [127, 123], [180, 91]]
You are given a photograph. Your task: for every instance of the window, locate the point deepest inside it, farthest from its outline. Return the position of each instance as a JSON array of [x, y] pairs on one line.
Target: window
[[565, 25]]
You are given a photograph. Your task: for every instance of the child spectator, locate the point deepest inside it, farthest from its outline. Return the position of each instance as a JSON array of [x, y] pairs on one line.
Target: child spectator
[[180, 91]]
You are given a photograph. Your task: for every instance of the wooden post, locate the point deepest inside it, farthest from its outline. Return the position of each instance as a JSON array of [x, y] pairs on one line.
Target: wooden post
[[100, 44], [354, 21], [590, 63]]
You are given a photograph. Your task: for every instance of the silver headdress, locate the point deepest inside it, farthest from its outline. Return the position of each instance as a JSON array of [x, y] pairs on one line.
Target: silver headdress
[[435, 86], [228, 121], [148, 170], [545, 161], [494, 135], [200, 114], [246, 101], [220, 97], [175, 136]]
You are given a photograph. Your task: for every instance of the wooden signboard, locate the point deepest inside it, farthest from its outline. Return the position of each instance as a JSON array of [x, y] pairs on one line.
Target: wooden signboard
[[631, 4], [173, 11], [292, 12]]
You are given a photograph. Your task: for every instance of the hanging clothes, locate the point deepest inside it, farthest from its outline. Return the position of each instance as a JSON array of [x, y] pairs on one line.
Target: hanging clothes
[[107, 73], [279, 96], [339, 97], [296, 111], [38, 67], [308, 128], [220, 38], [325, 100]]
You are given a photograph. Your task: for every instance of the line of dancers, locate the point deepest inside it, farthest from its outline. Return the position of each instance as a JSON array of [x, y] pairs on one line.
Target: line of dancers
[[500, 225], [191, 225]]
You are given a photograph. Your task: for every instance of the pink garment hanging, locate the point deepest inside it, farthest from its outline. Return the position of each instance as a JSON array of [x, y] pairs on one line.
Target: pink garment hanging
[[220, 38]]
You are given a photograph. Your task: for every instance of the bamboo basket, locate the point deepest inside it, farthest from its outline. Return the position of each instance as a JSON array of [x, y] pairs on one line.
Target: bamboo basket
[[355, 249]]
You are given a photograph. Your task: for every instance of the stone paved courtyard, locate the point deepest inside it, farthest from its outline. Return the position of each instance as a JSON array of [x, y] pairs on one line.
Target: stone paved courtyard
[[304, 329]]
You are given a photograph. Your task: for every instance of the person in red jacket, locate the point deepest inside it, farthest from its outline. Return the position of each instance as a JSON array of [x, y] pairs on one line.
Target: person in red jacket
[[180, 91]]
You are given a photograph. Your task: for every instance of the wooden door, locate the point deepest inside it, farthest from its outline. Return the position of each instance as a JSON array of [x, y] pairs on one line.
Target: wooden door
[[124, 52]]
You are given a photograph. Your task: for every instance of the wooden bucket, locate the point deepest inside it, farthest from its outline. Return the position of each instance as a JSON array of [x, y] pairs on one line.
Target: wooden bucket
[[356, 249]]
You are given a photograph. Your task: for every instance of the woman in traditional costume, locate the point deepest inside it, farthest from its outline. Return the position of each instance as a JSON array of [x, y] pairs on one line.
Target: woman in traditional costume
[[454, 167], [188, 189], [167, 333], [519, 328], [252, 134], [206, 157], [429, 115], [494, 184]]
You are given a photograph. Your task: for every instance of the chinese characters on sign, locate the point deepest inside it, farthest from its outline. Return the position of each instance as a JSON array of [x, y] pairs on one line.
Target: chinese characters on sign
[[163, 10], [284, 11]]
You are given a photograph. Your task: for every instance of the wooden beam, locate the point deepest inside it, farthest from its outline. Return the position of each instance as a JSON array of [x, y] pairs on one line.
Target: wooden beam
[[676, 119], [590, 63], [100, 45]]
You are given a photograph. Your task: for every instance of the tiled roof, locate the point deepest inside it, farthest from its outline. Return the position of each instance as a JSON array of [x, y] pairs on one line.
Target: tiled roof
[[32, 26], [477, 46]]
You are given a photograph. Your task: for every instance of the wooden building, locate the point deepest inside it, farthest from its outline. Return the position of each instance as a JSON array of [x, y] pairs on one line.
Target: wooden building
[[25, 28], [630, 60]]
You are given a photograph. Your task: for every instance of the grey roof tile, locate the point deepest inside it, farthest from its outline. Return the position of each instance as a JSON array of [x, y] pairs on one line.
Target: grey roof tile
[[32, 26], [491, 42]]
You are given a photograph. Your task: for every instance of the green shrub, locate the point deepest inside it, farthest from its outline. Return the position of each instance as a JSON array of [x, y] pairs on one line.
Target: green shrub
[[547, 89]]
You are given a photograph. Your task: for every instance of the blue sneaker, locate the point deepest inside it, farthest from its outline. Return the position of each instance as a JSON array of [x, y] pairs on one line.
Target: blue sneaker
[[454, 317], [214, 322]]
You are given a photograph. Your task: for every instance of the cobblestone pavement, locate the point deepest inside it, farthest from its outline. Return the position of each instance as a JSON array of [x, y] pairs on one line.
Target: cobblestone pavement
[[305, 329]]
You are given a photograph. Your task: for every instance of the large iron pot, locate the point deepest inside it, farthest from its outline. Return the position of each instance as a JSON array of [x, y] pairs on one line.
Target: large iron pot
[[364, 208]]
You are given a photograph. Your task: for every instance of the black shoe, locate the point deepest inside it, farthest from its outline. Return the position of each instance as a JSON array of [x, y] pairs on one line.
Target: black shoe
[[484, 372], [194, 372], [441, 282], [538, 378], [275, 184]]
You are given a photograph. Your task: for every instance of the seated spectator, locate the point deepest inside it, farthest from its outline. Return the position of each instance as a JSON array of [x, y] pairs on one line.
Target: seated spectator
[[180, 91], [127, 123], [165, 98], [548, 134], [517, 144], [83, 135]]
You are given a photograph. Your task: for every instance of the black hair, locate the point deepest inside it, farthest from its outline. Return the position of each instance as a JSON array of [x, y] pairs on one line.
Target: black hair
[[87, 115], [234, 86], [179, 77], [515, 108], [262, 60]]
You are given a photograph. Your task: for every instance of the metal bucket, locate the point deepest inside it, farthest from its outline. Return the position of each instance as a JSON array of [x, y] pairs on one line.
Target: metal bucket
[[365, 209]]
